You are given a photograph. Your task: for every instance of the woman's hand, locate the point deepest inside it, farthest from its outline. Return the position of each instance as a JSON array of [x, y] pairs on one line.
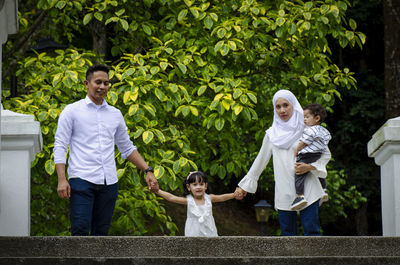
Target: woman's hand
[[239, 193], [302, 168]]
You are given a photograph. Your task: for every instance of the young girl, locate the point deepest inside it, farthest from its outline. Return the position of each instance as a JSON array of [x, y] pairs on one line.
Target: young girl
[[200, 221]]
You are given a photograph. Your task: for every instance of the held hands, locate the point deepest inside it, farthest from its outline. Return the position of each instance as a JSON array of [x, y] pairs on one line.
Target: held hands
[[239, 193], [152, 182]]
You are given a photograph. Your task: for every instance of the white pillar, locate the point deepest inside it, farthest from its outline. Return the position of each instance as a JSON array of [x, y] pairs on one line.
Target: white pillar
[[385, 148], [8, 25], [21, 141]]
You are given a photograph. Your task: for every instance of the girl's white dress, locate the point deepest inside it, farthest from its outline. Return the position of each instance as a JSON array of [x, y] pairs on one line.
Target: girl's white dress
[[200, 221]]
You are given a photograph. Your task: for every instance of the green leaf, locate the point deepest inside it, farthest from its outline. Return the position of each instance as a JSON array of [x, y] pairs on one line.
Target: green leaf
[[56, 79], [163, 65], [61, 4], [208, 22], [45, 129], [53, 113], [221, 172], [303, 80], [138, 133], [243, 99], [292, 29], [353, 24], [214, 16], [113, 97], [133, 109], [176, 167], [147, 136], [280, 21], [120, 173], [154, 70], [237, 109], [50, 167], [98, 16], [201, 90], [159, 94], [87, 18], [362, 37], [194, 11], [230, 167], [327, 97], [325, 20], [218, 46], [146, 29], [334, 10], [159, 172], [232, 45], [182, 67], [194, 111], [221, 33], [182, 15], [42, 116], [219, 124], [252, 97], [125, 25], [120, 12], [29, 62], [224, 50]]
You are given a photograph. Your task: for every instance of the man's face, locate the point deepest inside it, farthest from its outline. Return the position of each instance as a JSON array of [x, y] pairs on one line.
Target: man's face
[[97, 86]]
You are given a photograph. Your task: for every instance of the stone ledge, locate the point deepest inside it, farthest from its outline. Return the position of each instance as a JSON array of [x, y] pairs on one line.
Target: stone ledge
[[190, 247], [202, 261]]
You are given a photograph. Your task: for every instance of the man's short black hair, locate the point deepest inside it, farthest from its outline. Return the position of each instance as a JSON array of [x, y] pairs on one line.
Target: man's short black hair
[[95, 68], [317, 110]]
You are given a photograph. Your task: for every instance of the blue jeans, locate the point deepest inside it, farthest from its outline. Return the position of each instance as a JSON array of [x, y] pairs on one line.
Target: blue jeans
[[91, 207], [309, 220]]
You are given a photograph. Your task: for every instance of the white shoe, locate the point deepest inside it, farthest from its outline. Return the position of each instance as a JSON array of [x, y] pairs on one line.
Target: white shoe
[[325, 197]]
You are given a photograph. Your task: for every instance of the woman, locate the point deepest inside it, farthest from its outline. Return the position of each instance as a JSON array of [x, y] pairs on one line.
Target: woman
[[280, 141]]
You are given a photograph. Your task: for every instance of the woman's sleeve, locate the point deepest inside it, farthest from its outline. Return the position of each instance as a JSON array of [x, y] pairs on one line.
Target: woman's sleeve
[[320, 164], [249, 182]]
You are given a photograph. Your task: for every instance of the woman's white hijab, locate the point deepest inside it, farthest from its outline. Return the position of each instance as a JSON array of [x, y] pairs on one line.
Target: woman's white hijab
[[283, 134]]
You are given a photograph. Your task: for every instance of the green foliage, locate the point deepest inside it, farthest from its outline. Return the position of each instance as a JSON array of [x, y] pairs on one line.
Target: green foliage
[[194, 80], [340, 198]]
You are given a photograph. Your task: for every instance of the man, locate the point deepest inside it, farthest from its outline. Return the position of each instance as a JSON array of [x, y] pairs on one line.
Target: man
[[91, 128]]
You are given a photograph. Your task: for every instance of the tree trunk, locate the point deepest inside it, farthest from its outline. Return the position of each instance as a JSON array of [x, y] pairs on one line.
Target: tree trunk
[[362, 220], [391, 10], [99, 35]]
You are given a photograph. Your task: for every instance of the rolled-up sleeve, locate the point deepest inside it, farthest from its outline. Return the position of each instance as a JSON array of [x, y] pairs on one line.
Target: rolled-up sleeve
[[62, 137], [249, 182], [122, 140]]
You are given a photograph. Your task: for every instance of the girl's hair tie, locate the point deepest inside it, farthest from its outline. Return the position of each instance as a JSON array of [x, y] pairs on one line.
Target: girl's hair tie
[[191, 173]]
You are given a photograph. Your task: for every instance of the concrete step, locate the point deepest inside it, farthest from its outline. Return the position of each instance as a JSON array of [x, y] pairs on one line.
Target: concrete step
[[188, 250]]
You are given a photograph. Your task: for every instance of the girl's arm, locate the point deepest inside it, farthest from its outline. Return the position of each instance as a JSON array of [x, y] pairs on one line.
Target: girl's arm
[[221, 197], [171, 197]]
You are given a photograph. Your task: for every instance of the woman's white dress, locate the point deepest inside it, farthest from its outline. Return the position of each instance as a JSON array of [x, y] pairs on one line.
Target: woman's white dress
[[200, 221]]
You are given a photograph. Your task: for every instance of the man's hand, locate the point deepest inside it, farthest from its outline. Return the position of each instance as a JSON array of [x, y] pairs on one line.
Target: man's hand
[[63, 189], [239, 193], [152, 182]]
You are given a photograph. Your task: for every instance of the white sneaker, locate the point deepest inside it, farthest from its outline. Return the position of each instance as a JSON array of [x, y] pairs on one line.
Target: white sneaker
[[325, 197]]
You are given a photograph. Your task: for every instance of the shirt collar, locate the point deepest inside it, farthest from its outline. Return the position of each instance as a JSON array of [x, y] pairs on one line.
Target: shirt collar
[[88, 101]]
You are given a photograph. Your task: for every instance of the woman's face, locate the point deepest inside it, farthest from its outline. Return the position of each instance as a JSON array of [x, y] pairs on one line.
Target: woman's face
[[284, 109]]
